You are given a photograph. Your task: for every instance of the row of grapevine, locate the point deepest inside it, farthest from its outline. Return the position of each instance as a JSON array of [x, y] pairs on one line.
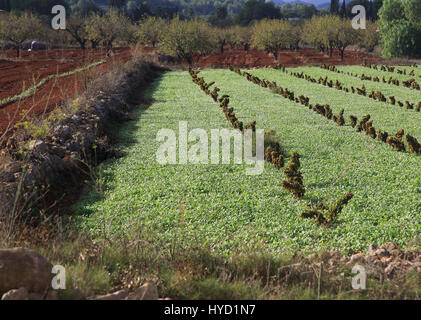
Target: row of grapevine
[[375, 95], [273, 152], [390, 69], [327, 218], [410, 83], [293, 182], [365, 124]]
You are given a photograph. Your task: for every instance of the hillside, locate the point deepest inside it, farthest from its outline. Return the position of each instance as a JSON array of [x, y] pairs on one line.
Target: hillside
[[207, 7], [201, 7]]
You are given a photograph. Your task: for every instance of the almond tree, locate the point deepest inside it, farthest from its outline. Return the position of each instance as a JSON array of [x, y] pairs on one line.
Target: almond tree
[[370, 37], [314, 33], [107, 28], [187, 39], [242, 36], [17, 29], [272, 36], [76, 27], [343, 34], [150, 30]]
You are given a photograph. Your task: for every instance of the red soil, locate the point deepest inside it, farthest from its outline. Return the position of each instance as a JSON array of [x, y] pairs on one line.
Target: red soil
[[259, 59], [34, 66], [40, 64]]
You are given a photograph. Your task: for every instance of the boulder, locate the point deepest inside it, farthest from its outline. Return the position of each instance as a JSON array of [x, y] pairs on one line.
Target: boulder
[[16, 294], [38, 147], [20, 267], [118, 295], [148, 291]]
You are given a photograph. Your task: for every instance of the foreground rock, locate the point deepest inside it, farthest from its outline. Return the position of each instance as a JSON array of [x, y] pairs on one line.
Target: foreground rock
[[16, 294], [24, 268], [148, 291], [118, 295], [383, 262]]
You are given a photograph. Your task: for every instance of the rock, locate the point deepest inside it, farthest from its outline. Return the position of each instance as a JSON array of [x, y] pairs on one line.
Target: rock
[[73, 146], [389, 246], [36, 296], [16, 294], [392, 268], [312, 257], [357, 258], [381, 252], [59, 151], [20, 267], [63, 132], [396, 253], [38, 147], [52, 295], [148, 291], [372, 248], [118, 295]]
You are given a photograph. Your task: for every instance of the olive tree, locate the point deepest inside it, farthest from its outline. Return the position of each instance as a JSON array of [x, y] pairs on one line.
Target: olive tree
[[186, 39], [17, 29]]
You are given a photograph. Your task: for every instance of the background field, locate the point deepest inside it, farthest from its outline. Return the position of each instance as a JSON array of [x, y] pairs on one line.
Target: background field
[[221, 207]]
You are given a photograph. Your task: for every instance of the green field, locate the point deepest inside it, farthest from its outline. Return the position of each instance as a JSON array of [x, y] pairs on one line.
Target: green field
[[220, 207]]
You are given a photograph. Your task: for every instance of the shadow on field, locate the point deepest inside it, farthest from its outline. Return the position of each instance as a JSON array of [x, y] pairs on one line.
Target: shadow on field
[[121, 133]]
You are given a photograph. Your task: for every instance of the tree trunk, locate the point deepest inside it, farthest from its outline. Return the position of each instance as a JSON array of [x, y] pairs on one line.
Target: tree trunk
[[82, 44], [275, 54], [342, 50], [18, 51], [189, 60], [246, 47]]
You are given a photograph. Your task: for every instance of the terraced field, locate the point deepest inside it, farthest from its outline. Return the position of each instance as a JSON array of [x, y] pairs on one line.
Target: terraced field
[[220, 207]]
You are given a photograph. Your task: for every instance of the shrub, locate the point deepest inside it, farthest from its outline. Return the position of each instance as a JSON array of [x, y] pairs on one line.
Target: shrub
[[414, 145], [354, 120], [382, 135], [396, 144], [330, 217], [364, 119], [294, 179]]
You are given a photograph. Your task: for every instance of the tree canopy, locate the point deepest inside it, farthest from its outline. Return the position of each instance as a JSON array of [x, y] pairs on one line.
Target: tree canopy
[[400, 28]]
